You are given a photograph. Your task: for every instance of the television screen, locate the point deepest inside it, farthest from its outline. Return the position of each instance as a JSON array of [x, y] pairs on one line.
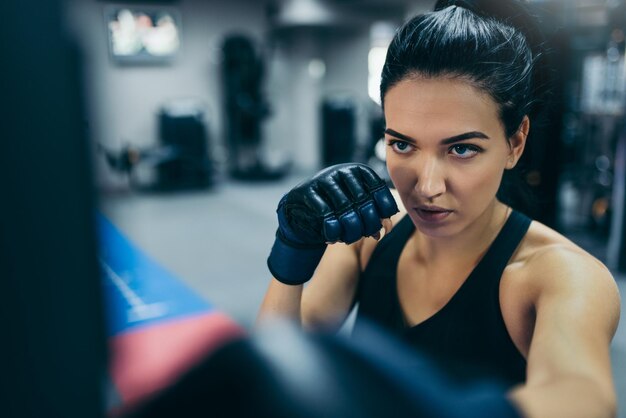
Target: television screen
[[143, 35]]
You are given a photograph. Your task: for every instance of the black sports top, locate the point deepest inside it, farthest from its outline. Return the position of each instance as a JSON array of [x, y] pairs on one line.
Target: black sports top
[[467, 337]]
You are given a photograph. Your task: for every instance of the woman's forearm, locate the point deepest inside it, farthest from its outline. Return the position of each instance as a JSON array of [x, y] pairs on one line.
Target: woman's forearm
[[570, 397], [281, 301]]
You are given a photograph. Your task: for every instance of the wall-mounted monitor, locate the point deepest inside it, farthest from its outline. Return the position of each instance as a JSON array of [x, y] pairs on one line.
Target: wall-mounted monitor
[[143, 34]]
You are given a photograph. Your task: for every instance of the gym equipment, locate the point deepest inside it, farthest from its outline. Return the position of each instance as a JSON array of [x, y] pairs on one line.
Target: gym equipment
[[53, 341], [182, 160], [283, 372], [245, 108], [157, 328], [338, 130]]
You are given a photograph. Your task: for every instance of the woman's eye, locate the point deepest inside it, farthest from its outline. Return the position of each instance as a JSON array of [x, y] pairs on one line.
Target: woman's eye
[[400, 146], [464, 150]]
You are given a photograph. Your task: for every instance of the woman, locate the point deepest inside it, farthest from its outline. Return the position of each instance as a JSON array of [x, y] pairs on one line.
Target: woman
[[462, 276]]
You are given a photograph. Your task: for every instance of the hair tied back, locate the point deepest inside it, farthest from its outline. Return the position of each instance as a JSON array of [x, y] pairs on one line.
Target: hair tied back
[[515, 13], [466, 4]]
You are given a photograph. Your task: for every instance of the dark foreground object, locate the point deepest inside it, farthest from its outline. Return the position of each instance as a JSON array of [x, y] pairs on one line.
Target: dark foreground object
[[283, 372]]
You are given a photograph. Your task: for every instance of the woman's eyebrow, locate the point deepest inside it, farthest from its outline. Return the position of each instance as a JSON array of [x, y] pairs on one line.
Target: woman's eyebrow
[[399, 135], [461, 137], [446, 141]]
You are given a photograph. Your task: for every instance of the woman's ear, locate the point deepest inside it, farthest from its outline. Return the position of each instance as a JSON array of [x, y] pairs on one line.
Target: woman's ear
[[517, 142]]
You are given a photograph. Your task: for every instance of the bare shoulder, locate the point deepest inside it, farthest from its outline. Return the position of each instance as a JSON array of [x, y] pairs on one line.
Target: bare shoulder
[[550, 264], [545, 249]]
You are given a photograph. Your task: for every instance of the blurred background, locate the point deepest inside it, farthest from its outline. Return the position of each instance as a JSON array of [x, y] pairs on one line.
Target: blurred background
[[197, 115], [195, 142], [202, 113]]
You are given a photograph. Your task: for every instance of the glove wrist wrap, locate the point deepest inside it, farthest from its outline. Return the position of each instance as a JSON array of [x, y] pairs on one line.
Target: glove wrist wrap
[[283, 265]]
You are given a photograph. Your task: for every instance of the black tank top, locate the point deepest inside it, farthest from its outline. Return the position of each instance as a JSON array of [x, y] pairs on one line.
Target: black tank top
[[467, 338]]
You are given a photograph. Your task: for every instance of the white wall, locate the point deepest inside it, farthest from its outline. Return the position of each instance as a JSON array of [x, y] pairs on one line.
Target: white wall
[[123, 100], [295, 95]]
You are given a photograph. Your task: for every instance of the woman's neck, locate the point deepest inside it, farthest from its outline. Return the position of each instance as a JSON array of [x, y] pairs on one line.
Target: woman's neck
[[468, 245]]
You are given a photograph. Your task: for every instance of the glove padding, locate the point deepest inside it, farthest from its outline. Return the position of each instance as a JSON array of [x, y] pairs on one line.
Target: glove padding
[[343, 203]]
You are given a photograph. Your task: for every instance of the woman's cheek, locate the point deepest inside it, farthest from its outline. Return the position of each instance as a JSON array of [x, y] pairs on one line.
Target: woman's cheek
[[402, 177], [483, 180]]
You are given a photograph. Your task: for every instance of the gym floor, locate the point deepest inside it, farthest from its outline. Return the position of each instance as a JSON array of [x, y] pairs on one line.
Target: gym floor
[[216, 241]]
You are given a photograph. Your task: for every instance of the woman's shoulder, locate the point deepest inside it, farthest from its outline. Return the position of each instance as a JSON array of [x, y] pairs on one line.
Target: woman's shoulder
[[552, 274], [547, 257], [541, 241]]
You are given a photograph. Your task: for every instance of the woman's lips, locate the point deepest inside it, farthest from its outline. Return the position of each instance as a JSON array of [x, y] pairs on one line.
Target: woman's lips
[[432, 214]]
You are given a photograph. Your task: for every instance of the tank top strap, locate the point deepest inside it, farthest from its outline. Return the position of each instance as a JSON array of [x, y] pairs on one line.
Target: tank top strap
[[502, 248], [402, 231], [393, 242]]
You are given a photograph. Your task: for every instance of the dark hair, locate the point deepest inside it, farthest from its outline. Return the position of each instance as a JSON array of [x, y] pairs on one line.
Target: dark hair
[[493, 45]]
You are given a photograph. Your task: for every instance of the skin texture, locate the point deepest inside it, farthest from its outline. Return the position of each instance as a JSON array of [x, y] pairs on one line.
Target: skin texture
[[560, 305]]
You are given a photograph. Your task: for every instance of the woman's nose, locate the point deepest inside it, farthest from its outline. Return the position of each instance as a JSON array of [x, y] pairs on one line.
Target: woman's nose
[[430, 179]]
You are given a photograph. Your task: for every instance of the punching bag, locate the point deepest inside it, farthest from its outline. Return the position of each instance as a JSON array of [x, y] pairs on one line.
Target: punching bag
[[244, 104], [338, 130]]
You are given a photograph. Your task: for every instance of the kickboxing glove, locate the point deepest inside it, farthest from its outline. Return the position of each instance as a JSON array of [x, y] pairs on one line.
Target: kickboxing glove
[[341, 203]]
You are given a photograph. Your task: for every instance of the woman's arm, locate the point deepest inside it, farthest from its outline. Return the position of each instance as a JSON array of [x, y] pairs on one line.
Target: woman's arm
[[340, 204], [327, 298], [281, 301], [577, 309]]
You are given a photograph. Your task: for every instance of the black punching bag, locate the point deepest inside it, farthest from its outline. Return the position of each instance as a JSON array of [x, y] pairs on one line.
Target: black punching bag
[[182, 129], [338, 130], [244, 104]]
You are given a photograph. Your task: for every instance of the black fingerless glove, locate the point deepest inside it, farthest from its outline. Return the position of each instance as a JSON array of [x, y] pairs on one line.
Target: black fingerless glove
[[343, 203]]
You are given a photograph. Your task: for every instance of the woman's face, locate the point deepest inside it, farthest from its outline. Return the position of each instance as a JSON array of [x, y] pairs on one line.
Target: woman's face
[[446, 152]]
